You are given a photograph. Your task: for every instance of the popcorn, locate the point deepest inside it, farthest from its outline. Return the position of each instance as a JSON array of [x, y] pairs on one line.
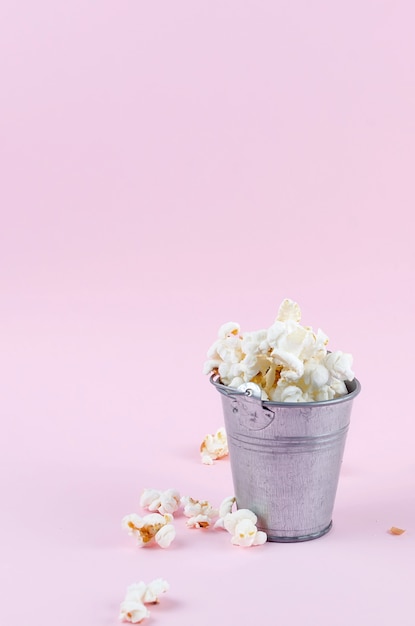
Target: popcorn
[[214, 446], [152, 527], [132, 608], [224, 509], [133, 611], [289, 362], [339, 365], [226, 349], [161, 501], [200, 513], [242, 526]]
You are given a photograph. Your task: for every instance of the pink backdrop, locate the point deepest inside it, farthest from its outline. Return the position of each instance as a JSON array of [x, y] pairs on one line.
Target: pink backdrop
[[166, 167]]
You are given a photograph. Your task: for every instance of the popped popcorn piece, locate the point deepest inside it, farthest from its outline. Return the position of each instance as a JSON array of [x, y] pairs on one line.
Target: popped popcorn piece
[[133, 611], [242, 526], [225, 508], [162, 501], [154, 590], [200, 513], [138, 594], [165, 535], [339, 365], [246, 534], [152, 527], [214, 447], [289, 310], [288, 361]]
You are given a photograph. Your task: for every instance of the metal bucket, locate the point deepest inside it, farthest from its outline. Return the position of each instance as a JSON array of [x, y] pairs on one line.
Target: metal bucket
[[285, 459]]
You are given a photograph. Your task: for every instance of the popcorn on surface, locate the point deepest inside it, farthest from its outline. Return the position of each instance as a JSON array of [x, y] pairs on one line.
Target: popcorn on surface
[[150, 528], [214, 447], [288, 361], [200, 513], [133, 611], [241, 524], [133, 607], [162, 501], [225, 508]]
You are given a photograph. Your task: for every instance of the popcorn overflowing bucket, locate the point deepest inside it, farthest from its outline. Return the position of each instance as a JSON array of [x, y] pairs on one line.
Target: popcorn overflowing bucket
[[285, 458]]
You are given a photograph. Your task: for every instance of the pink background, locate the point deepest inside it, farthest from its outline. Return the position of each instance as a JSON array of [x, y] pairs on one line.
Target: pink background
[[167, 167]]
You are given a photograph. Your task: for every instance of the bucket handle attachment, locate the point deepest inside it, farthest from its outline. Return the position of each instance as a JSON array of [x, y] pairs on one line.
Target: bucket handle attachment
[[249, 408], [246, 404]]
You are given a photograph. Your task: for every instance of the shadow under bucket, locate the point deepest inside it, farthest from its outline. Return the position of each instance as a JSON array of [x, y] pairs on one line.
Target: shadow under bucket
[[285, 459]]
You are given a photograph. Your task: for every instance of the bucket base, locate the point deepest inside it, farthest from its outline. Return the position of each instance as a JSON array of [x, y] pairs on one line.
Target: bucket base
[[300, 538]]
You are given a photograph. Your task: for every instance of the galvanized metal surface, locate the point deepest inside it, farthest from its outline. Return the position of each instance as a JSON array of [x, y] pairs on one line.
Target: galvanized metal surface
[[286, 458]]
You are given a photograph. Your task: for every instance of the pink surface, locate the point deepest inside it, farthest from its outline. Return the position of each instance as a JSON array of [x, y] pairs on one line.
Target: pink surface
[[166, 167]]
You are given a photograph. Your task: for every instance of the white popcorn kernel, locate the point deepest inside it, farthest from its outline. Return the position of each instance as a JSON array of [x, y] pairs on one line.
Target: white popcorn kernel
[[321, 341], [210, 365], [294, 367], [147, 594], [154, 590], [131, 523], [200, 513], [165, 535], [338, 387], [145, 529], [225, 508], [254, 342], [289, 311], [250, 367], [150, 499], [199, 521], [323, 394], [232, 519], [214, 447], [229, 328], [292, 394], [169, 501], [228, 371], [133, 611], [339, 365], [229, 349], [246, 534], [162, 501], [316, 375], [236, 382], [242, 526]]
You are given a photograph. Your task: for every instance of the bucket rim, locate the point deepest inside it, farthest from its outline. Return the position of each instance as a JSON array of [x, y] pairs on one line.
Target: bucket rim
[[353, 386]]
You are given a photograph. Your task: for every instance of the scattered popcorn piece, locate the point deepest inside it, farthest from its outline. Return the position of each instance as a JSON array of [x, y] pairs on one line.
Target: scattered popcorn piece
[[162, 501], [165, 535], [246, 534], [138, 594], [214, 447], [200, 513], [152, 527], [396, 531], [242, 526], [288, 361], [225, 508], [133, 611]]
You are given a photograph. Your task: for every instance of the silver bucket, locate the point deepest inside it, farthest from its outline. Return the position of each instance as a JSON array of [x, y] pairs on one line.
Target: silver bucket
[[285, 459]]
